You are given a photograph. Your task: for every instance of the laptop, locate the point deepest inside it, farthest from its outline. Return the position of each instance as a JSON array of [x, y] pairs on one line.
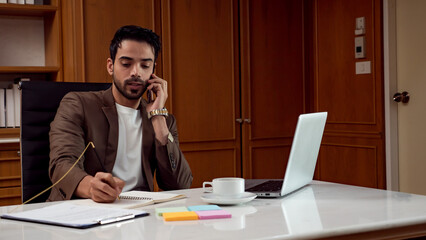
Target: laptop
[[301, 163]]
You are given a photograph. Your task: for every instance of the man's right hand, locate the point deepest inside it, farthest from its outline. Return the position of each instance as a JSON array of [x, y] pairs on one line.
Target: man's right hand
[[103, 187]]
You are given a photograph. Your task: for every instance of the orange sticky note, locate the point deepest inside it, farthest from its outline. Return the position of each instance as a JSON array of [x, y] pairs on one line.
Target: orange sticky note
[[180, 216]]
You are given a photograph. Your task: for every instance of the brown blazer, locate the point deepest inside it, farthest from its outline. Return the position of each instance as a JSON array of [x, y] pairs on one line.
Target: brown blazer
[[92, 116]]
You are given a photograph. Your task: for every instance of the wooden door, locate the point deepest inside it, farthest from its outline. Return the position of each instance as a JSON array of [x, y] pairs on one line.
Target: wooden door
[[201, 63], [411, 72], [88, 27], [353, 145], [272, 81]]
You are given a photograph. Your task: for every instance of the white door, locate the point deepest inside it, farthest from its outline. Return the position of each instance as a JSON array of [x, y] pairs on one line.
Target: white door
[[407, 54]]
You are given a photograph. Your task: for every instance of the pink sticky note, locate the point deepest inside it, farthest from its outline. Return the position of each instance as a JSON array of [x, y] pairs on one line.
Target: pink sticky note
[[213, 214]]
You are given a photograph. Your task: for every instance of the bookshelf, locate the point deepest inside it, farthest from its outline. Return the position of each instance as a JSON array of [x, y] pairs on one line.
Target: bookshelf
[[27, 9], [50, 16], [48, 67], [20, 70]]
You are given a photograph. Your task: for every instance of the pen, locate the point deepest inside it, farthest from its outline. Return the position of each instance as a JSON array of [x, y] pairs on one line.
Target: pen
[[100, 162], [99, 159], [116, 219]]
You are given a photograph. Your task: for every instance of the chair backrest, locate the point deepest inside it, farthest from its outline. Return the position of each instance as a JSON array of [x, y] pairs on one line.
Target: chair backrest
[[39, 103]]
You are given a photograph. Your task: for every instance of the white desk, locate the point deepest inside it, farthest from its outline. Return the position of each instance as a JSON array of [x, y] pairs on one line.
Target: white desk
[[321, 210]]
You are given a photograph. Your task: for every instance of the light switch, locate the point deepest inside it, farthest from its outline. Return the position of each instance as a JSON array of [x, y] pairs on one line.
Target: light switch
[[360, 26], [360, 23], [363, 67]]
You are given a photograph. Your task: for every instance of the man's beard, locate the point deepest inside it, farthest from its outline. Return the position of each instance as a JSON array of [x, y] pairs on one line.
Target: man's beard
[[133, 94]]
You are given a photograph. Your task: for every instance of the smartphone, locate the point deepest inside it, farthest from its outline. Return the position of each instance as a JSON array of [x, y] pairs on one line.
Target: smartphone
[[149, 93]]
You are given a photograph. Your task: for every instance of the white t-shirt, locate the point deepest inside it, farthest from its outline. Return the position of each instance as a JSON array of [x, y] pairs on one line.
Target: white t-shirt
[[128, 162]]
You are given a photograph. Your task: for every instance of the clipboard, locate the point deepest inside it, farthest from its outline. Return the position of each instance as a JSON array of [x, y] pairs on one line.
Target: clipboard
[[75, 216]]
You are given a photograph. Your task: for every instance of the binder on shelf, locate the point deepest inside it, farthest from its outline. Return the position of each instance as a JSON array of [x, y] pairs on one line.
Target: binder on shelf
[[17, 80], [10, 108], [29, 1], [21, 1], [17, 104], [3, 1], [2, 108], [12, 1]]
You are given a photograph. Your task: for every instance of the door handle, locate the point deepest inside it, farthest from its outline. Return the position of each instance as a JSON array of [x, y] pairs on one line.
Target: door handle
[[403, 97], [246, 120]]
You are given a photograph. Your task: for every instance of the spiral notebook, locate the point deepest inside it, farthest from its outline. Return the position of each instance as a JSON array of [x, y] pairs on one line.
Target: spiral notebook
[[135, 199]]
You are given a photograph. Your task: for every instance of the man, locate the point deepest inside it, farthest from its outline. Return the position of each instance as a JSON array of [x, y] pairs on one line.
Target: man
[[132, 137]]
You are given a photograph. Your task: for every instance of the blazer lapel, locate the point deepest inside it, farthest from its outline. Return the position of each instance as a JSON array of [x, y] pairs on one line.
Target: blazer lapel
[[110, 112], [147, 145]]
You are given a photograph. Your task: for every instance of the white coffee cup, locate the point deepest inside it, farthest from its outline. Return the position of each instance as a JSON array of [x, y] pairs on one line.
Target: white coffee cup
[[225, 186]]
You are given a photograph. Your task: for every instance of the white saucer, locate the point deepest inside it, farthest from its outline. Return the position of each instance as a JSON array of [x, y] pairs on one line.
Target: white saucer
[[221, 200]]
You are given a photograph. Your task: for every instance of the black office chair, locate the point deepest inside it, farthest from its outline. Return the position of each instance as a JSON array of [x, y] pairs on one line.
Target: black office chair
[[40, 101]]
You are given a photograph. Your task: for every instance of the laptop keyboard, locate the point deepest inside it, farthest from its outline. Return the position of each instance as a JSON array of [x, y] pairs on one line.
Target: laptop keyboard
[[269, 186]]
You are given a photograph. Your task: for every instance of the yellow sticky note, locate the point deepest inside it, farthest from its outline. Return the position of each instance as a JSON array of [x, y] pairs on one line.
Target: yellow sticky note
[[180, 216]]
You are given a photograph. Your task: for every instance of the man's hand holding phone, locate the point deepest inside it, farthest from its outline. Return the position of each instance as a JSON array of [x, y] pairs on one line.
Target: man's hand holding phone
[[158, 87]]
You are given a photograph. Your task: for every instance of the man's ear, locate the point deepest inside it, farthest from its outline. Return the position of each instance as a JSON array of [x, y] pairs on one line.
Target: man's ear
[[110, 66]]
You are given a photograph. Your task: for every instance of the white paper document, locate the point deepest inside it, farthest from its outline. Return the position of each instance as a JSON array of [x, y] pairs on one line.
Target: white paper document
[[77, 216]]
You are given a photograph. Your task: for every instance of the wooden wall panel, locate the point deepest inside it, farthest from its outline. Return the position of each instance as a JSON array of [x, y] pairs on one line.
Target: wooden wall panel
[[53, 37], [101, 21], [336, 26], [272, 79], [354, 101], [276, 67], [353, 149], [272, 166], [73, 41], [91, 24], [201, 63], [203, 72], [354, 165], [211, 163]]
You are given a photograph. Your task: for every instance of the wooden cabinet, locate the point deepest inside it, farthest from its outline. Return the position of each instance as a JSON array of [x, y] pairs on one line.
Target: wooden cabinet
[[272, 83], [47, 66], [237, 83], [49, 16], [263, 63], [10, 167], [201, 62]]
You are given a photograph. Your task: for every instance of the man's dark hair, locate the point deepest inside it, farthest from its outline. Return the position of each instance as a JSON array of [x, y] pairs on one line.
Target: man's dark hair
[[136, 33]]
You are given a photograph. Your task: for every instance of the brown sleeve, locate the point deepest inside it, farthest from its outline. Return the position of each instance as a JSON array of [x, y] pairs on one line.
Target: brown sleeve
[[173, 171], [66, 145]]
